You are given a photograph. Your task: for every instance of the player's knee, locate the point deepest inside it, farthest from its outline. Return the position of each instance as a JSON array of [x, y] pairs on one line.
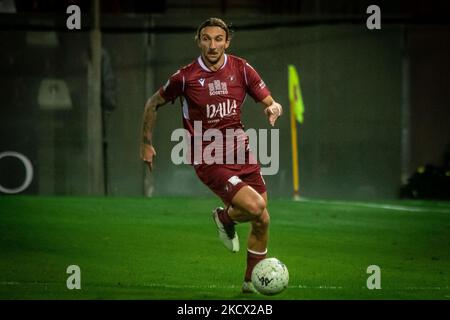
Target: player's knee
[[256, 207]]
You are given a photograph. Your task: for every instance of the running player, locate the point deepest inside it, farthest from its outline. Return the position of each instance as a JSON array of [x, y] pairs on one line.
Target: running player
[[213, 88]]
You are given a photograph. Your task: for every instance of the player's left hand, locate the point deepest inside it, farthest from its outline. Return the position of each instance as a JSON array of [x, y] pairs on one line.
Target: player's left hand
[[273, 112]]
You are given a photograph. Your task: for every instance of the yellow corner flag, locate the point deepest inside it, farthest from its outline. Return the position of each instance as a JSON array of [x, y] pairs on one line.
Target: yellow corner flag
[[297, 109], [295, 94]]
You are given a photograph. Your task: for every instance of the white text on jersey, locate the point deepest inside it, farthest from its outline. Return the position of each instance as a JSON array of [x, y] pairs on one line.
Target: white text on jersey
[[223, 109]]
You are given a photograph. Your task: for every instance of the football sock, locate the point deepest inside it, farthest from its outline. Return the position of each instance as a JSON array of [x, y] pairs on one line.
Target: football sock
[[224, 217], [253, 258]]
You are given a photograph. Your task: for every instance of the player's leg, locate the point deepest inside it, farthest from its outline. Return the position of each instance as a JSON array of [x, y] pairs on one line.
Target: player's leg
[[256, 246], [259, 231], [244, 203], [248, 205], [225, 184]]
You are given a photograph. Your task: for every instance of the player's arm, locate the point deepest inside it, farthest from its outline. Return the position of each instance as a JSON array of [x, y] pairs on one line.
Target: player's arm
[[272, 109], [148, 122], [258, 90]]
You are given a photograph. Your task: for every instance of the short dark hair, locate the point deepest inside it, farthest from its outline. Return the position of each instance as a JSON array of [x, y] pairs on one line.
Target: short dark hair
[[213, 22]]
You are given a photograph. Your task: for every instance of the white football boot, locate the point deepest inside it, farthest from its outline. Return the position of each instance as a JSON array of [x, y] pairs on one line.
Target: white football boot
[[227, 234], [247, 287]]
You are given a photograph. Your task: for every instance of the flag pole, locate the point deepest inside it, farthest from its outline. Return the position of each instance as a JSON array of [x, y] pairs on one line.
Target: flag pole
[[294, 152]]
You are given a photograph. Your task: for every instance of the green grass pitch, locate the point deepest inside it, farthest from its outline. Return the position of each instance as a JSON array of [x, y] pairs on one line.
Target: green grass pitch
[[167, 248]]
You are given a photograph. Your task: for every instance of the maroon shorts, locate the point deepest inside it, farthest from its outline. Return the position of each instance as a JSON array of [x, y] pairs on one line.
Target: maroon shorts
[[226, 180]]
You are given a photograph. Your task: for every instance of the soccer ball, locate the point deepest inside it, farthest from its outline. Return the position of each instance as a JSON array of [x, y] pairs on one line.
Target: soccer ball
[[270, 276]]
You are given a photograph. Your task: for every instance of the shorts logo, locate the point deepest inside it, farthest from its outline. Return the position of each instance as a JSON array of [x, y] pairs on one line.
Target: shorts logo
[[234, 180], [217, 87]]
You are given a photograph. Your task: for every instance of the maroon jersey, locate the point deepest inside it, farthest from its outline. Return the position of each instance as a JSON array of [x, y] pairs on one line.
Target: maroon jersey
[[214, 98]]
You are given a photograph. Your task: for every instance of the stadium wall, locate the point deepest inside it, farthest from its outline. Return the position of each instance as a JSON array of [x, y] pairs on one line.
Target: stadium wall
[[351, 82], [350, 144]]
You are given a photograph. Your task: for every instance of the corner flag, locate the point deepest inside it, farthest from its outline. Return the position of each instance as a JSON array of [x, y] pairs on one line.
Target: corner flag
[[295, 94], [297, 109]]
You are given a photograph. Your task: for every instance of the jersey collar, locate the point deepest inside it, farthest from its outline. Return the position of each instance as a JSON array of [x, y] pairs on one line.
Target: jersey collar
[[204, 67]]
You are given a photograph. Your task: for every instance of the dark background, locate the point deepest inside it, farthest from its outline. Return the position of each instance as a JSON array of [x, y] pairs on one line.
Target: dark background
[[376, 101]]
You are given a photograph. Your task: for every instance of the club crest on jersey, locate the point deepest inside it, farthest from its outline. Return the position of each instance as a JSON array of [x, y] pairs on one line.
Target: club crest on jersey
[[216, 87], [221, 110]]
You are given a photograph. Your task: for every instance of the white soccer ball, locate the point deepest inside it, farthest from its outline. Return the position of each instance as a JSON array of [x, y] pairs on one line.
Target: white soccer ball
[[270, 276]]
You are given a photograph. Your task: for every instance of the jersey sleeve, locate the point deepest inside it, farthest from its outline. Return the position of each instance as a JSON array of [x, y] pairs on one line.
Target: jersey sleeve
[[256, 87], [174, 87]]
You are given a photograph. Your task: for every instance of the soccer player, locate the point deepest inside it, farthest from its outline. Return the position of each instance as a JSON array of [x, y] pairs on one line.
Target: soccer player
[[212, 89]]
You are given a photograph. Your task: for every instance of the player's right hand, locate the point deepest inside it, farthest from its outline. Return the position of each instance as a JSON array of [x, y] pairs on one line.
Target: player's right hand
[[147, 153]]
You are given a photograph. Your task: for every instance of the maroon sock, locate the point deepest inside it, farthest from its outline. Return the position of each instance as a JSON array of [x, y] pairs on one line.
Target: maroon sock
[[252, 260], [224, 217]]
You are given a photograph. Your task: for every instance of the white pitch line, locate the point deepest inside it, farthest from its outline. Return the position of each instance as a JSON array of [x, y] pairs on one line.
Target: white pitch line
[[425, 288], [378, 206], [213, 286], [315, 287], [234, 286]]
